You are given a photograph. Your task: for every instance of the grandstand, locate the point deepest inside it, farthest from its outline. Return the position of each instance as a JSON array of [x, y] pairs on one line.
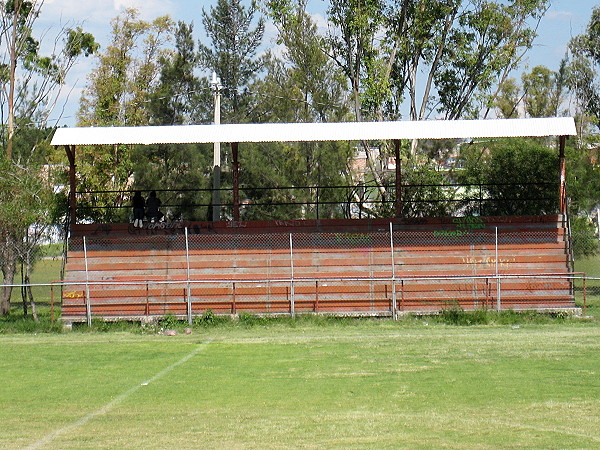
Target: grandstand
[[385, 266]]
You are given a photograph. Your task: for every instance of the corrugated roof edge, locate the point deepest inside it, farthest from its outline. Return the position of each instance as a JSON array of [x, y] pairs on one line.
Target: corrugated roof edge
[[303, 132]]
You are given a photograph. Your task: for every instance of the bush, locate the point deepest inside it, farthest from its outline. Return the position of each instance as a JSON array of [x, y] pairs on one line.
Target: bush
[[455, 315]]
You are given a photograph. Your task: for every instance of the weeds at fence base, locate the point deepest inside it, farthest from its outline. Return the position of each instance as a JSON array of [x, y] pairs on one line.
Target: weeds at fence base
[[451, 314]]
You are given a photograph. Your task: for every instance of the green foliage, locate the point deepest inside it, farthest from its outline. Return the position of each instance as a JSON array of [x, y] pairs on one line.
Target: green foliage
[[453, 314], [537, 86], [169, 321], [210, 319], [422, 193], [117, 92], [233, 53], [583, 78], [79, 42], [583, 235], [353, 47], [486, 44], [516, 175], [508, 99], [583, 176]]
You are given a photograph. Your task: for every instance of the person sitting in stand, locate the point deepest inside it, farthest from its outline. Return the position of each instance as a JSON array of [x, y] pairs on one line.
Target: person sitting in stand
[[152, 204], [138, 204]]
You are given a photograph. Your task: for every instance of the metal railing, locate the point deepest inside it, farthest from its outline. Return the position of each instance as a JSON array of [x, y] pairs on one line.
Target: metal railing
[[290, 296], [316, 202]]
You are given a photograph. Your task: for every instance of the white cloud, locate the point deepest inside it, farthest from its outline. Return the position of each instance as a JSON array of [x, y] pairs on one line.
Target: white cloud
[[149, 9], [98, 13], [321, 22], [560, 15]]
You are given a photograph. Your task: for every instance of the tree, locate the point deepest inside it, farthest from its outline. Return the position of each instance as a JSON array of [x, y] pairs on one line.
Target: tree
[[178, 99], [490, 41], [233, 52], [24, 200], [117, 93], [29, 82], [30, 85], [529, 189], [302, 86], [583, 67], [508, 99], [119, 86], [542, 90], [306, 81]]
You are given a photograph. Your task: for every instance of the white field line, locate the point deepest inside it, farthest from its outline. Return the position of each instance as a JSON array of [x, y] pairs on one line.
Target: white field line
[[106, 408]]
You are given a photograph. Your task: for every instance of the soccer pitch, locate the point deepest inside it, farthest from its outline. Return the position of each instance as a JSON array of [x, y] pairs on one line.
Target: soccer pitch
[[374, 385]]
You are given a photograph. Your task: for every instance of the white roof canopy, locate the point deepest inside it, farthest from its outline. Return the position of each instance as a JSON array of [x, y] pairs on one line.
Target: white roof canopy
[[303, 132]]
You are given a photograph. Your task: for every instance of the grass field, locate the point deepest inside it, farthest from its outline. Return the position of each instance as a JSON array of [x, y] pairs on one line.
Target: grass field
[[369, 384]]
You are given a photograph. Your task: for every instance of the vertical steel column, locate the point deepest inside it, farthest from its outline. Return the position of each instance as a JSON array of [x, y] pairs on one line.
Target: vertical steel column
[[394, 305], [70, 150], [216, 197], [292, 300], [88, 306], [398, 205], [236, 181], [562, 140], [498, 290], [189, 290]]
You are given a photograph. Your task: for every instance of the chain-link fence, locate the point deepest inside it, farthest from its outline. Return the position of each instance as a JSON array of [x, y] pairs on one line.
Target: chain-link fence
[[187, 271]]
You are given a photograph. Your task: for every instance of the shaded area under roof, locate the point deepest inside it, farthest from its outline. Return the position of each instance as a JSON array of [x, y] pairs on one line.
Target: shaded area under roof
[[304, 132]]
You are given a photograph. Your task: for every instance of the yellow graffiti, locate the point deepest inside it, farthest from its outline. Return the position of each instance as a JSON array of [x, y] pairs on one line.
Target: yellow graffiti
[[490, 262], [73, 294]]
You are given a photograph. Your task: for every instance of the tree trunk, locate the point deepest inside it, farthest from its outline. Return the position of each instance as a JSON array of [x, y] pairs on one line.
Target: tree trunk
[[23, 292], [8, 271], [28, 291]]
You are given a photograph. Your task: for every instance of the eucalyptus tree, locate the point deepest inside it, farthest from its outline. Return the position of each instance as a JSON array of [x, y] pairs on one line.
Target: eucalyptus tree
[[30, 83], [301, 84], [117, 94], [584, 66], [30, 86]]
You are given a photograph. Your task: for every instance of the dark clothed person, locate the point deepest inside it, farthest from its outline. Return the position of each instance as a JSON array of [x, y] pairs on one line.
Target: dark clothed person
[[138, 209], [152, 205]]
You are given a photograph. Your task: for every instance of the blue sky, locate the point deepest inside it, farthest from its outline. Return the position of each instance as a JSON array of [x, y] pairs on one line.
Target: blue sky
[[564, 19]]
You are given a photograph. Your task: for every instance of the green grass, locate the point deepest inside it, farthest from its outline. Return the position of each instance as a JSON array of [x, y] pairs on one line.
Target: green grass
[[367, 384], [591, 267], [44, 271]]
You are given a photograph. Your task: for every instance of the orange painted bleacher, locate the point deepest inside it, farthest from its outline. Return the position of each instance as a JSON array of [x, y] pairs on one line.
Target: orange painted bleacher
[[338, 267]]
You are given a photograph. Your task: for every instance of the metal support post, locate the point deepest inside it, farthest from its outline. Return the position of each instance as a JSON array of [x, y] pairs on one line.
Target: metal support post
[[292, 305], [498, 290], [394, 301], [216, 198], [88, 306], [189, 289]]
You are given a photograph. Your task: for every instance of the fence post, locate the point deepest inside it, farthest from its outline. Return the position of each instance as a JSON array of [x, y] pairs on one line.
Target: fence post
[[498, 290], [292, 305], [51, 302], [584, 295], [394, 305], [88, 307], [189, 292]]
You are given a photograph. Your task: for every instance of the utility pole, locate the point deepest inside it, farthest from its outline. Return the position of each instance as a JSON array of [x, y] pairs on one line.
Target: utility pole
[[216, 197]]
